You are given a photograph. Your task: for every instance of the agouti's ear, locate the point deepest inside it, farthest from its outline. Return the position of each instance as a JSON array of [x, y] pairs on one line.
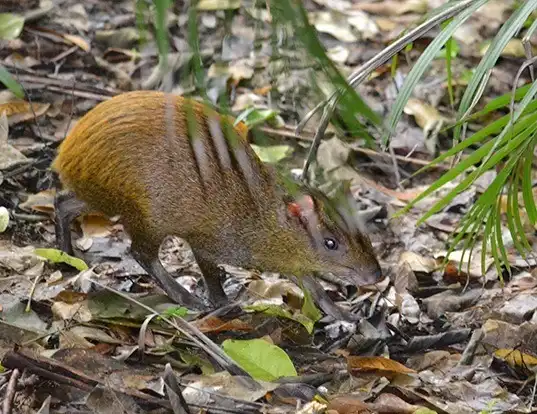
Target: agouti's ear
[[301, 208]]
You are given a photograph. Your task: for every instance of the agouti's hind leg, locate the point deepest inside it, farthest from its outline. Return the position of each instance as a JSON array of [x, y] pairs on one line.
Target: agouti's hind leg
[[212, 275], [146, 254], [67, 208]]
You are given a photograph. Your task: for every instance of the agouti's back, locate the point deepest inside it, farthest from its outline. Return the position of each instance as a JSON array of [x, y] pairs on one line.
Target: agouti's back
[[171, 166]]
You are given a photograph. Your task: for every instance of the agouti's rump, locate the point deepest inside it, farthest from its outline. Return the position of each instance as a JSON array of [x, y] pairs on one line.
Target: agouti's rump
[[171, 166]]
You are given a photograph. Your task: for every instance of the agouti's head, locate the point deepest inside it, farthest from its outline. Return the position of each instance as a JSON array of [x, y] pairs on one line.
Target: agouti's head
[[340, 246]]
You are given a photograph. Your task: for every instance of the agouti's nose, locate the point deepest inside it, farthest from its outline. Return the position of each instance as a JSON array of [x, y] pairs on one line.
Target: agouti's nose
[[377, 274], [374, 275]]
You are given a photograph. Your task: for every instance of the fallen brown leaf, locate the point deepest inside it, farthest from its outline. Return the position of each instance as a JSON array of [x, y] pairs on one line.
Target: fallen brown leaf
[[382, 365], [20, 111]]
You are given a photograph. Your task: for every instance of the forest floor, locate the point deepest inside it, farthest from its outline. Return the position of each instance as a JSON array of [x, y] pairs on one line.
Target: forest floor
[[428, 338]]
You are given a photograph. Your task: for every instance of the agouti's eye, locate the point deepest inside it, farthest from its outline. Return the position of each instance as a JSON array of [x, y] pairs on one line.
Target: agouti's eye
[[330, 244]]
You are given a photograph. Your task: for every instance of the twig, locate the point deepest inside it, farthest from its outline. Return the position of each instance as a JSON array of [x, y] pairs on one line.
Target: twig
[[10, 392], [395, 168], [30, 102], [469, 351], [196, 336]]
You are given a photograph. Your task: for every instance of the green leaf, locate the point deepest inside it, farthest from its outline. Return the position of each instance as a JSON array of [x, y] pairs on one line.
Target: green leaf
[[280, 311], [262, 360], [273, 153], [195, 360], [10, 26], [252, 116], [175, 311], [450, 53], [9, 82], [529, 202], [308, 307], [514, 137], [161, 30], [58, 256]]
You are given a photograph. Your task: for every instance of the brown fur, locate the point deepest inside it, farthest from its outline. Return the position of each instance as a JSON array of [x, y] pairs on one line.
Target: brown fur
[[133, 156]]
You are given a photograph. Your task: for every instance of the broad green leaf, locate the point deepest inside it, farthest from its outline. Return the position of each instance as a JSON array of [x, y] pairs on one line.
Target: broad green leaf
[[272, 154], [280, 311], [58, 256], [262, 360], [252, 116], [10, 25], [10, 83], [308, 307], [175, 311]]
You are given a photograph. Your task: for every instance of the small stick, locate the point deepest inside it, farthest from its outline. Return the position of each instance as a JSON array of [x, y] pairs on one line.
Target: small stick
[[10, 392]]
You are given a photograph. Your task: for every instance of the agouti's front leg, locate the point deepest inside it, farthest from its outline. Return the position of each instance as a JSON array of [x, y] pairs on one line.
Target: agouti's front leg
[[67, 207], [212, 276], [146, 254]]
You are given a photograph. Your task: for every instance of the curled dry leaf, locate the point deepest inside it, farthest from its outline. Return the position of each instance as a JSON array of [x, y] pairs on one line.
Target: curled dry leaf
[[391, 7], [428, 119], [418, 263], [208, 5], [96, 225], [20, 111], [348, 404], [383, 366], [4, 219], [334, 24], [42, 202], [215, 325], [389, 403]]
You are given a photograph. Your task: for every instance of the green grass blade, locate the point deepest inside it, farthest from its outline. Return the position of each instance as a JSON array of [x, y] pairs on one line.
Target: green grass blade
[[450, 175], [502, 101], [516, 209], [449, 73], [484, 133], [421, 66], [527, 194], [511, 145], [161, 29], [483, 70], [512, 191], [486, 233], [9, 82], [499, 238]]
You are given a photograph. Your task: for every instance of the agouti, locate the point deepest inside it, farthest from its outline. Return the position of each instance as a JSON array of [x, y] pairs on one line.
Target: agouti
[[169, 165]]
